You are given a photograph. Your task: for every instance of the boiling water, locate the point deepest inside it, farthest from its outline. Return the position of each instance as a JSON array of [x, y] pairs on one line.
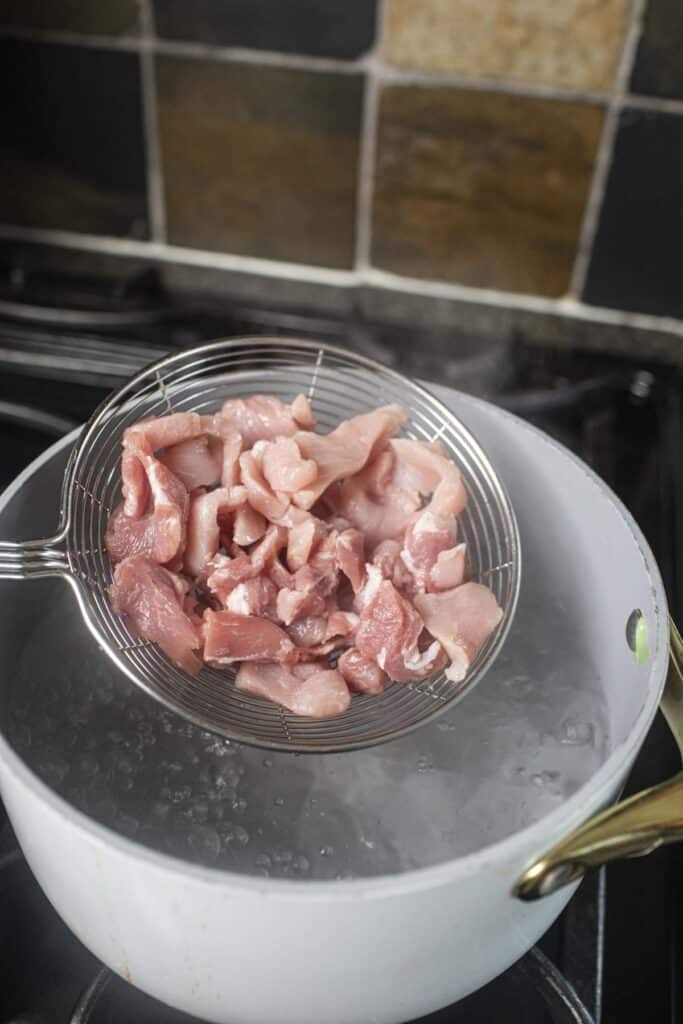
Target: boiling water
[[529, 735]]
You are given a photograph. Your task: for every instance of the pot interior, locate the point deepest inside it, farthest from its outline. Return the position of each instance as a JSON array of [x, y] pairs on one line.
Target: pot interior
[[564, 692]]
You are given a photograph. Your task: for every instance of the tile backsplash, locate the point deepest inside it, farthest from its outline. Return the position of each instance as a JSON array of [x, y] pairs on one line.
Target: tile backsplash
[[512, 147]]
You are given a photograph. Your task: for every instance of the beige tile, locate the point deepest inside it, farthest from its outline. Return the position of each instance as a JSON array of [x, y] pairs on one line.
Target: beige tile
[[482, 189], [260, 161], [569, 43]]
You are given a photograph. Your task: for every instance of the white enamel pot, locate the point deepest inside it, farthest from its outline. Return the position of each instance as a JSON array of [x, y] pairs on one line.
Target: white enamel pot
[[249, 950]]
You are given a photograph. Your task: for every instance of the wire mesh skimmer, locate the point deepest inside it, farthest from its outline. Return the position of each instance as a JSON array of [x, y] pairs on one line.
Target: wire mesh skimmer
[[339, 384]]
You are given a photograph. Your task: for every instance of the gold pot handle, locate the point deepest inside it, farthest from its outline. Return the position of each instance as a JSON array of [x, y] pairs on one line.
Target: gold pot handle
[[631, 828]]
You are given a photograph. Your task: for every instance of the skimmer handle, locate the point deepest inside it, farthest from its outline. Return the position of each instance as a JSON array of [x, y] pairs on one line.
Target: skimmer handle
[[33, 559]]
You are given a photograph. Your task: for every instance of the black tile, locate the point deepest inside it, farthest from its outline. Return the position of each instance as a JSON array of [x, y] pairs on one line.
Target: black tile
[[321, 28], [105, 17], [636, 262], [72, 138], [658, 69]]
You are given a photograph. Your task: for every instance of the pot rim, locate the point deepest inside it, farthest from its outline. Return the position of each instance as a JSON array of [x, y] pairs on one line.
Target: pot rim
[[587, 799]]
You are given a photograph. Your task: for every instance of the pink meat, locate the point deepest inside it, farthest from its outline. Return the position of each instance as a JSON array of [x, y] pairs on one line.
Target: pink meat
[[462, 620], [424, 468], [223, 433], [374, 502], [195, 462], [388, 633], [152, 600], [425, 539], [284, 468], [259, 492], [223, 574], [449, 569], [308, 632], [203, 530], [341, 624], [158, 534], [387, 558], [134, 485], [263, 418], [230, 637], [361, 674], [350, 552], [255, 596], [162, 432], [313, 690], [248, 525], [346, 449], [267, 550], [304, 538]]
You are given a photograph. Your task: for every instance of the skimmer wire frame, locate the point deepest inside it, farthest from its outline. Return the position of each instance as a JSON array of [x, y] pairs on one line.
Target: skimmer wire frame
[[339, 384]]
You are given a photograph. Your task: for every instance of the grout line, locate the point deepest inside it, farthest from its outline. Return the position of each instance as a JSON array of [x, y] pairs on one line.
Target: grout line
[[603, 162], [266, 58], [155, 181], [162, 251], [32, 35], [368, 147], [510, 86], [566, 308], [658, 104], [386, 73]]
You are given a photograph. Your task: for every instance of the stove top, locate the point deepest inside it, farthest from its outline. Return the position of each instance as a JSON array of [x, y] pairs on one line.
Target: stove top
[[615, 954]]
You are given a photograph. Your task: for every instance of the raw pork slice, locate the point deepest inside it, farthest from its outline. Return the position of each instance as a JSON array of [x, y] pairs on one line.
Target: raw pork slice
[[389, 630], [263, 418], [229, 637], [158, 534], [152, 600], [203, 530], [310, 689], [162, 432], [285, 469], [462, 619], [362, 675], [196, 462], [346, 449]]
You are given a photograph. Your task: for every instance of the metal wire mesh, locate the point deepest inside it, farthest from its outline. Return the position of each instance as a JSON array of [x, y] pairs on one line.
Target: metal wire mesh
[[339, 385]]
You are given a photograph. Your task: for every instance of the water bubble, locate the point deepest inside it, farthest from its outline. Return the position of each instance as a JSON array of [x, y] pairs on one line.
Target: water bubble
[[541, 779], [326, 851], [267, 763], [424, 764], [301, 864], [239, 806], [262, 860], [278, 801], [576, 733]]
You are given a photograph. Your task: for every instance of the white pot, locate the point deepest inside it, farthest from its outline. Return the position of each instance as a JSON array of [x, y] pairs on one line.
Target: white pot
[[232, 948]]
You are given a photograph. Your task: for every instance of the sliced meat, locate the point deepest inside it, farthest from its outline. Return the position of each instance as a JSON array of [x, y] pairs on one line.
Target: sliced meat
[[203, 530], [263, 418], [223, 574], [151, 435], [341, 624], [256, 596], [134, 485], [152, 599], [195, 462], [387, 558], [361, 674], [462, 620], [311, 690], [388, 633], [285, 469], [449, 569], [346, 449], [248, 525], [424, 468], [350, 552], [230, 637], [158, 534], [308, 632], [267, 550], [425, 539], [374, 502], [304, 538], [259, 492]]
